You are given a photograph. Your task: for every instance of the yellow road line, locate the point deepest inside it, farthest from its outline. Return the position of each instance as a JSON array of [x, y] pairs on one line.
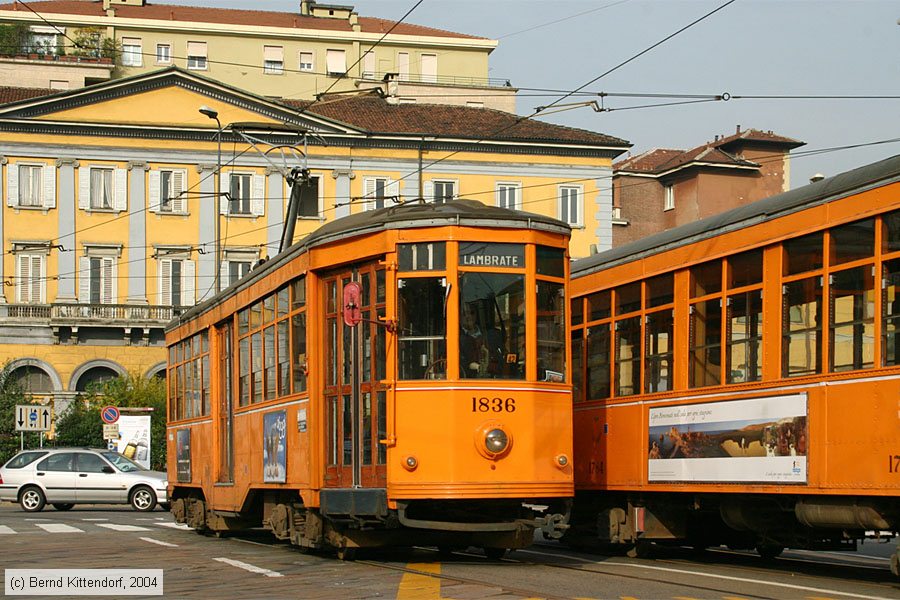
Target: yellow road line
[[414, 586]]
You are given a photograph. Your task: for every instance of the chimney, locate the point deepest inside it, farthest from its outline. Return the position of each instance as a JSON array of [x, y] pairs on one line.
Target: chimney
[[738, 129], [392, 88], [816, 177], [306, 8]]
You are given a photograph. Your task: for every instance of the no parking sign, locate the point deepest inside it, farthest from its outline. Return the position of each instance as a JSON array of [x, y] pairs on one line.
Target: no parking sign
[[110, 414]]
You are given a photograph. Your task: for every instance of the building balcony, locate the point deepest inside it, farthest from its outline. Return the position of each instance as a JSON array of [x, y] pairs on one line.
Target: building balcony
[[53, 71], [74, 322]]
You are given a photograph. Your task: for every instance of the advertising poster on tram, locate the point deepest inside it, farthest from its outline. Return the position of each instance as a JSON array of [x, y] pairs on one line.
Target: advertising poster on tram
[[134, 438], [274, 447], [761, 440]]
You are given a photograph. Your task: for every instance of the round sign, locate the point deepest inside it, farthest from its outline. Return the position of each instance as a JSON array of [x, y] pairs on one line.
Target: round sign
[[110, 414]]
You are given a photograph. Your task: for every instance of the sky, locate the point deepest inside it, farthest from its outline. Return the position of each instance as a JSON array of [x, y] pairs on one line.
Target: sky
[[749, 48]]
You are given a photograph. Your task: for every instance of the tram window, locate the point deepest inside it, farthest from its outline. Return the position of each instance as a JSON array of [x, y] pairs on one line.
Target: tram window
[[853, 241], [268, 303], [852, 319], [744, 337], [298, 289], [803, 254], [745, 269], [380, 350], [577, 311], [365, 331], [660, 290], [706, 343], [801, 349], [577, 365], [422, 317], [891, 311], [427, 256], [332, 371], [331, 306], [628, 298], [269, 362], [244, 378], [380, 287], [256, 366], [298, 322], [706, 279], [599, 305], [381, 399], [256, 315], [243, 321], [204, 386], [658, 354], [551, 331], [492, 326], [367, 428], [204, 342], [598, 362], [282, 306], [628, 356], [551, 261], [347, 430], [891, 238], [333, 432]]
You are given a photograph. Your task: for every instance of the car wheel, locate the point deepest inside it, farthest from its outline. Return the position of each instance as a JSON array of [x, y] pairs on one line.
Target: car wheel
[[32, 499], [63, 506], [143, 499]]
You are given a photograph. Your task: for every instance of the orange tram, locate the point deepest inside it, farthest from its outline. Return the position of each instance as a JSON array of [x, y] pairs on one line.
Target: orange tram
[[737, 380], [399, 376]]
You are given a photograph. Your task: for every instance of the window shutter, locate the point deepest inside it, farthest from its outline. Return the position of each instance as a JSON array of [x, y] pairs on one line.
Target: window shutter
[[392, 189], [37, 279], [223, 200], [84, 188], [369, 188], [196, 49], [12, 188], [258, 196], [273, 53], [155, 200], [429, 68], [107, 281], [84, 279], [22, 273], [429, 191], [120, 201], [187, 282], [178, 201], [335, 61], [165, 281], [49, 177], [223, 274]]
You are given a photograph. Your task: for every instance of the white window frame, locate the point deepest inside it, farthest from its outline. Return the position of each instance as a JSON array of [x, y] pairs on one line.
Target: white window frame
[[431, 192], [320, 199], [368, 65], [198, 61], [306, 66], [502, 194], [37, 200], [389, 189], [31, 279], [564, 204], [426, 58], [167, 59], [96, 202], [105, 259], [403, 65], [273, 60], [166, 259], [86, 193], [237, 256], [132, 52], [336, 62], [168, 201], [669, 199]]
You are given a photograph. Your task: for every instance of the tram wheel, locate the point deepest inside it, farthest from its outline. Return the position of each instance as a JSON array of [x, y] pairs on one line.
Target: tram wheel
[[494, 553], [769, 551]]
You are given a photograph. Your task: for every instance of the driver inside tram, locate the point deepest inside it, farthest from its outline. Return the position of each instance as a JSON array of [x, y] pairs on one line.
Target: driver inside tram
[[480, 347]]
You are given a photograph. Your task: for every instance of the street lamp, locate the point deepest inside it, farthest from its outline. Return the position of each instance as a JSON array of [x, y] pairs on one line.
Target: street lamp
[[214, 114]]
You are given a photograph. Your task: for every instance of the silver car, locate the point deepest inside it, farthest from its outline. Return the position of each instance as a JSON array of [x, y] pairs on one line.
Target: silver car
[[64, 477]]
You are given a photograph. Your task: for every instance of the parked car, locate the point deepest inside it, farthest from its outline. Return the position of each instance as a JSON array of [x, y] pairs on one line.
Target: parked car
[[64, 477]]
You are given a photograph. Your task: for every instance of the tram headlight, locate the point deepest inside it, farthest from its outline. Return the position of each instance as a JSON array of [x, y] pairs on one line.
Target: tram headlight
[[410, 463], [496, 441]]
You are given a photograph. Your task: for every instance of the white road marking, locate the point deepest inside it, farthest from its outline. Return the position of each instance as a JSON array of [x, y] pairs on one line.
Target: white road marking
[[58, 528], [249, 567], [789, 586], [95, 519], [6, 530], [161, 543], [175, 526], [117, 527], [36, 519]]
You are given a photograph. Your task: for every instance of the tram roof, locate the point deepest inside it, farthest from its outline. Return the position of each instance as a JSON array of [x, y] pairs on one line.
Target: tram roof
[[467, 213], [821, 192]]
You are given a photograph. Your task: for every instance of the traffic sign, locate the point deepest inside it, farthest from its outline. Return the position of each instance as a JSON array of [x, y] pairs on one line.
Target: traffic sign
[[110, 414], [32, 417], [110, 431]]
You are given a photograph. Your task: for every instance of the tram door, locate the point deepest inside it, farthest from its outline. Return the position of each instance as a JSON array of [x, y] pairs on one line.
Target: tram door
[[354, 396]]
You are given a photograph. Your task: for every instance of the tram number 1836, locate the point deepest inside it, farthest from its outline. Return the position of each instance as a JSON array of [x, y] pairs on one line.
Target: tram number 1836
[[493, 404]]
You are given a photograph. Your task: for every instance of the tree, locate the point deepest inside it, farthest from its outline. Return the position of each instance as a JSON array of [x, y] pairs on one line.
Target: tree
[[13, 38], [11, 394], [81, 424]]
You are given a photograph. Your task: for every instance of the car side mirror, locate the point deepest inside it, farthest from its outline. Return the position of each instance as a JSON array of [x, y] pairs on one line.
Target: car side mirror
[[108, 469]]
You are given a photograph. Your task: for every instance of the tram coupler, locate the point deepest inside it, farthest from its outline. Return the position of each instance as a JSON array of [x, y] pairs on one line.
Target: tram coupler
[[553, 526]]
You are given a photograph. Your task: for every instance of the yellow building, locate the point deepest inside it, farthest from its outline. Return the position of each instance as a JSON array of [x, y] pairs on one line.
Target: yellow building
[[298, 54], [111, 203]]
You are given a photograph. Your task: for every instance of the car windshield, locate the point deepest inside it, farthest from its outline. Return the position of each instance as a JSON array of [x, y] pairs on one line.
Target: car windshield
[[122, 463]]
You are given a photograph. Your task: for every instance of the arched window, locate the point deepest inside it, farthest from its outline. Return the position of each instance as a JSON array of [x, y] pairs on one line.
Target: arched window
[[33, 380], [94, 375]]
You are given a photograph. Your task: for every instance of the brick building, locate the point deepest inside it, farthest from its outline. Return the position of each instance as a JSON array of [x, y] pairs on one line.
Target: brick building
[[664, 188]]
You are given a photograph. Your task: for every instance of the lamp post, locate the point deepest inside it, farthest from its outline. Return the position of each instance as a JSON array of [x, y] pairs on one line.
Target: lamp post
[[214, 114]]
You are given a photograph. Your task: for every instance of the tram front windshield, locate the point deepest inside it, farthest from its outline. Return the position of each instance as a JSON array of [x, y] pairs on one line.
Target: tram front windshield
[[492, 326]]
